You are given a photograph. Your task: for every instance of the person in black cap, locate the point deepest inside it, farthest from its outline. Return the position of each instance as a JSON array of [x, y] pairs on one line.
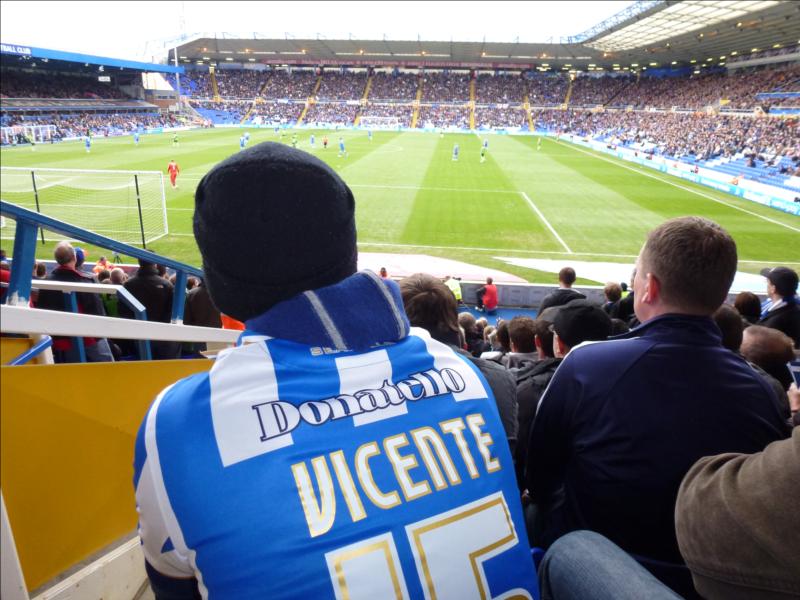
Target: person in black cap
[[576, 322], [330, 430], [784, 312]]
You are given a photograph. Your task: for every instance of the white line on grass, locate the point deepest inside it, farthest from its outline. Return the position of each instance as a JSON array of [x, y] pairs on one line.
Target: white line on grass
[[507, 250], [545, 221], [682, 187]]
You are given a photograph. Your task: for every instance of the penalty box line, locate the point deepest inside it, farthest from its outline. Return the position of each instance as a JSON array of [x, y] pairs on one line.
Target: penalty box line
[[546, 222]]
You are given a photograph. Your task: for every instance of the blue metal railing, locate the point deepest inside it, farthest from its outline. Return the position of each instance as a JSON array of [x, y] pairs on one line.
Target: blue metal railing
[[28, 224], [37, 349]]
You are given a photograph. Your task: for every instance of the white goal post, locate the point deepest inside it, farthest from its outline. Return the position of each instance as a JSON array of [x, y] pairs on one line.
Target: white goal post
[[128, 206], [32, 133]]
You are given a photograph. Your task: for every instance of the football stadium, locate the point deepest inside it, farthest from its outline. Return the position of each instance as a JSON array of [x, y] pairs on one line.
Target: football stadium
[[524, 308]]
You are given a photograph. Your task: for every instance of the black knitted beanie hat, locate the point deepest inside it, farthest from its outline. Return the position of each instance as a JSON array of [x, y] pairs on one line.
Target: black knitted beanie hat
[[272, 222]]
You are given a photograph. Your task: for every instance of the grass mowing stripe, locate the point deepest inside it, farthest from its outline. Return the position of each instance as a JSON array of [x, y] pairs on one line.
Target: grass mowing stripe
[[412, 198], [406, 187], [545, 221], [677, 185]]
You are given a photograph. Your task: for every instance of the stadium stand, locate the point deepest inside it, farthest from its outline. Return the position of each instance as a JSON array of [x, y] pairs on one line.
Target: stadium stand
[[390, 87], [19, 84], [444, 87], [500, 89], [402, 112], [240, 83], [762, 149], [493, 117], [275, 112], [294, 85], [443, 116], [342, 86], [222, 112], [547, 89], [331, 113], [76, 488]]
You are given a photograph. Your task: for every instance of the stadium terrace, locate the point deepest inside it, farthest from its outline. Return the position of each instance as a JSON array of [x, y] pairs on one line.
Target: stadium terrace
[[558, 383]]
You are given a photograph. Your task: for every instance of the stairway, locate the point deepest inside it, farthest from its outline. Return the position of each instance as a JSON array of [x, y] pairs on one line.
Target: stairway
[[526, 105], [256, 100], [568, 96], [367, 89], [364, 97], [311, 100], [305, 111], [472, 104], [214, 87], [415, 115]]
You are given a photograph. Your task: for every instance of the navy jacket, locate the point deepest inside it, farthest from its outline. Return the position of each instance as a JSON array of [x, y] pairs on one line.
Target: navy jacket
[[623, 421]]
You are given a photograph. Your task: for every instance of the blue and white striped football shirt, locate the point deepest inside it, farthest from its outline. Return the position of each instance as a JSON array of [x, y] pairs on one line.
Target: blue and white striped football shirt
[[299, 471]]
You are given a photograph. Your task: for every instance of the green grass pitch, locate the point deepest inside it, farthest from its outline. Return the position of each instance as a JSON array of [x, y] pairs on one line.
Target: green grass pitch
[[560, 202]]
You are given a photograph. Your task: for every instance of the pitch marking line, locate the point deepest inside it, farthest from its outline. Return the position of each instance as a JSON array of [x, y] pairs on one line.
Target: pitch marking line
[[682, 187], [545, 221]]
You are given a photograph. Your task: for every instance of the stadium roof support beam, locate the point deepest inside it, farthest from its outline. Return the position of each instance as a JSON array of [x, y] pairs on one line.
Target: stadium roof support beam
[[668, 19], [630, 12]]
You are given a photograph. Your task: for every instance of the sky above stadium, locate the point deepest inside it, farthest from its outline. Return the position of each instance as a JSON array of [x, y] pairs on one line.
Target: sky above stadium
[[135, 30]]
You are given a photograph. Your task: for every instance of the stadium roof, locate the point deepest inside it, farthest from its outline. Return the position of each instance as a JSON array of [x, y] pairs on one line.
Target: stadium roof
[[23, 56], [664, 32], [666, 21]]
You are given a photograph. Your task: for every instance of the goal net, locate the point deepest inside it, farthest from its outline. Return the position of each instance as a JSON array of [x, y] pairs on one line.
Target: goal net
[[128, 206], [368, 122], [27, 133]]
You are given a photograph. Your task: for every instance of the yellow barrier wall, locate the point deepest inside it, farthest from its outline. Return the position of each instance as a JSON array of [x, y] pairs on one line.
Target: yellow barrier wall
[[67, 434], [11, 348]]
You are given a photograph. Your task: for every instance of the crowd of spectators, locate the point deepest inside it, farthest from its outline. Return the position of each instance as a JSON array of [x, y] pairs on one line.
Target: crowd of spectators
[[402, 112], [227, 111], [294, 85], [594, 91], [766, 53], [732, 91], [445, 87], [547, 90], [698, 135], [500, 117], [18, 84], [342, 86], [441, 116], [276, 112], [96, 124], [333, 113], [240, 84], [401, 87], [728, 91], [500, 89], [193, 83]]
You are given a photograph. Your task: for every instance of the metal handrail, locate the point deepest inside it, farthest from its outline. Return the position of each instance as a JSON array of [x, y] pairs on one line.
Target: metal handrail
[[33, 352], [21, 319], [24, 253], [70, 288]]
